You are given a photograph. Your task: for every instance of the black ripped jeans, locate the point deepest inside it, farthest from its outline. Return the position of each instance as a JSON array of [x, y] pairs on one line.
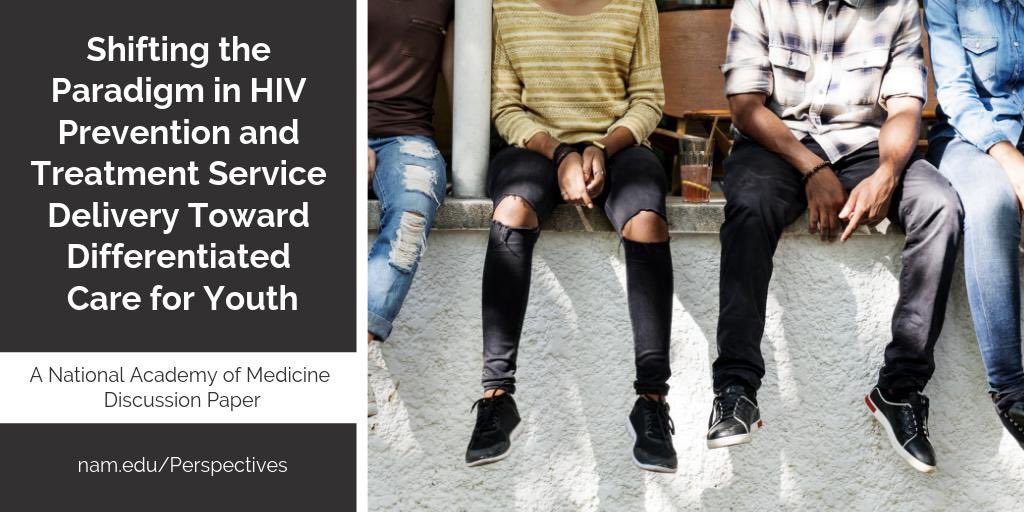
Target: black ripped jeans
[[634, 183]]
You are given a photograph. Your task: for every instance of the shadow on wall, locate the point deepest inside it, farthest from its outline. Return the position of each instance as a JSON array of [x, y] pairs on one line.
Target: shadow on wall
[[828, 321]]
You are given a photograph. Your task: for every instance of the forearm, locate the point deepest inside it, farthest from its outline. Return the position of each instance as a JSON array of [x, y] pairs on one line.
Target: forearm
[[764, 127], [619, 139], [448, 60], [543, 144], [897, 141], [1010, 159]]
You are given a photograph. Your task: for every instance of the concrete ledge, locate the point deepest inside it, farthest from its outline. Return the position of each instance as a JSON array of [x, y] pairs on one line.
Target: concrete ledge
[[827, 321], [683, 218]]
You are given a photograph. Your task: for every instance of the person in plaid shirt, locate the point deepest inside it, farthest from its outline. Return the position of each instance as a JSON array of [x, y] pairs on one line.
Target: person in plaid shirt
[[826, 99]]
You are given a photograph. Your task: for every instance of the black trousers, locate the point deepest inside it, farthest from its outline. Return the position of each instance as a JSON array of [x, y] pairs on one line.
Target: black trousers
[[635, 182], [765, 194]]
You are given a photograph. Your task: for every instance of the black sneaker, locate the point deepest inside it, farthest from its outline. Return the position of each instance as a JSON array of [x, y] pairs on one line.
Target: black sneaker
[[906, 423], [497, 418], [734, 418], [651, 428], [1011, 413]]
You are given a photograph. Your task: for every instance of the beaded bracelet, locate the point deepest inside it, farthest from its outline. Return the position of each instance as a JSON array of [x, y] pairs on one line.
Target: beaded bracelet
[[814, 170]]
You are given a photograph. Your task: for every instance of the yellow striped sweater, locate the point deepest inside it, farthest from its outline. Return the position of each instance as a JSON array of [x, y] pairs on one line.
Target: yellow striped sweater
[[577, 78]]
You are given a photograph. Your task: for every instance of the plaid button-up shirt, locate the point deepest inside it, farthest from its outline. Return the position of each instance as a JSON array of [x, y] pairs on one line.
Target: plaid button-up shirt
[[827, 66]]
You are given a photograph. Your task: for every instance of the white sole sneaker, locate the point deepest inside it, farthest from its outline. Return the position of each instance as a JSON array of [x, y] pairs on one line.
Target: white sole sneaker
[[512, 437], [725, 442], [641, 465], [914, 463]]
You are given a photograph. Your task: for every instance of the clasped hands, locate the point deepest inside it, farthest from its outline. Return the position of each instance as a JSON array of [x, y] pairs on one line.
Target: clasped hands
[[581, 176]]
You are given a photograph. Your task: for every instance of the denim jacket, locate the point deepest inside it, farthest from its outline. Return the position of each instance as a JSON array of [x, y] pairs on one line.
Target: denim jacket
[[976, 51]]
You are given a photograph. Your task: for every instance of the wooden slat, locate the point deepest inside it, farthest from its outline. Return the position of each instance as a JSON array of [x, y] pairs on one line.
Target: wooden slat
[[927, 114], [692, 47], [932, 102], [693, 44]]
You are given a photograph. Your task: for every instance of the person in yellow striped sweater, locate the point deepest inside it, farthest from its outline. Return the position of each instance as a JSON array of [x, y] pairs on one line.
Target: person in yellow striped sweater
[[576, 91]]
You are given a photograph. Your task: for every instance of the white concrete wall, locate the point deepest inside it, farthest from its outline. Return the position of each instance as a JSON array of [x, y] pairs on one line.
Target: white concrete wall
[[828, 320]]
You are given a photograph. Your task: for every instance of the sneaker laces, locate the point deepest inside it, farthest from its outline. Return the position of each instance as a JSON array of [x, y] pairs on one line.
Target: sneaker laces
[[663, 422], [727, 403], [487, 419], [915, 417]]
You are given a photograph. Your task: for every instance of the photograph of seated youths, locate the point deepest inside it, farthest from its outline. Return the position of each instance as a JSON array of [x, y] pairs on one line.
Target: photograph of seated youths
[[409, 42], [576, 91], [826, 99], [977, 145]]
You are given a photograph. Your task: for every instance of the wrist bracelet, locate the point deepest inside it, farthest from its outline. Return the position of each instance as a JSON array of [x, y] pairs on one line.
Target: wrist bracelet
[[562, 151], [814, 170]]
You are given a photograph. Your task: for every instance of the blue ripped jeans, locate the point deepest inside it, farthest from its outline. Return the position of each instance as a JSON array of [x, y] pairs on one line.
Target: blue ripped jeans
[[410, 183], [992, 225]]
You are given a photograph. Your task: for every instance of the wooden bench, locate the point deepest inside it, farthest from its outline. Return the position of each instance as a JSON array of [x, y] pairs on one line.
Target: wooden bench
[[693, 45]]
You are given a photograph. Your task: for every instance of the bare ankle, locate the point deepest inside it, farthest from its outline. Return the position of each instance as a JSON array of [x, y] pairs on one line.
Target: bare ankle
[[491, 393]]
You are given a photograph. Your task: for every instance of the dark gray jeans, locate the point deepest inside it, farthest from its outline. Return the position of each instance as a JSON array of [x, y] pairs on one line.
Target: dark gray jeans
[[764, 194]]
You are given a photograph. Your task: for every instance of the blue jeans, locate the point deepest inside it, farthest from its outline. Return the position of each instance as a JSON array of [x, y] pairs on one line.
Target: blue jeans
[[410, 183], [992, 226]]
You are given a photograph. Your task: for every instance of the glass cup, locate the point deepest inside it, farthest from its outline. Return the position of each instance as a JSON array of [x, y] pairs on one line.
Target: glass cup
[[695, 158]]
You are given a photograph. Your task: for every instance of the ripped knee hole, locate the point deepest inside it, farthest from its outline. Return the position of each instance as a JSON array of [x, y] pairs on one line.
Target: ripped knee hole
[[409, 241], [417, 148], [418, 178], [516, 213], [646, 227]]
